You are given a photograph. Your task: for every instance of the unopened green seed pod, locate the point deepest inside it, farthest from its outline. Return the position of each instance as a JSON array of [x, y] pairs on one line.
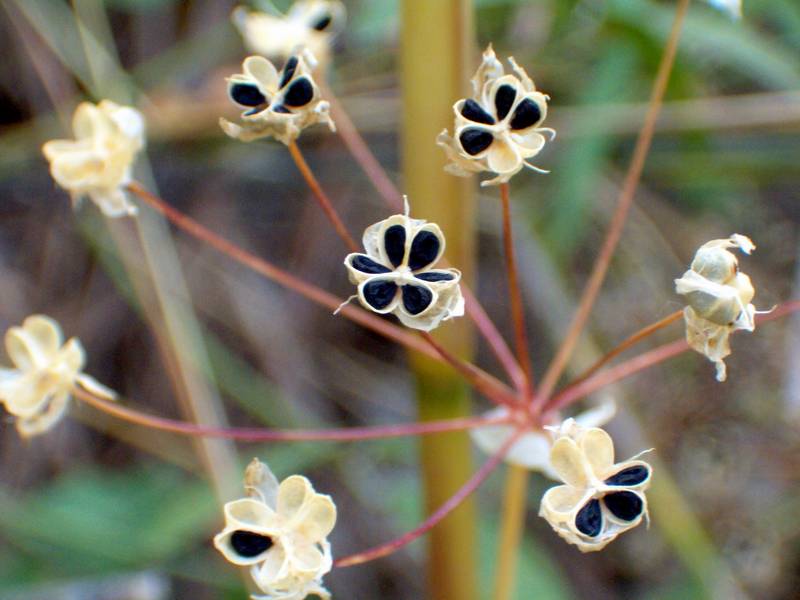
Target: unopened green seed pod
[[715, 264]]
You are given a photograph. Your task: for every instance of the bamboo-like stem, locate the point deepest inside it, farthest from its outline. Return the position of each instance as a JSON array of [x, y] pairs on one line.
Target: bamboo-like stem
[[462, 494], [515, 295], [322, 198], [643, 361], [436, 47], [624, 202], [634, 339], [260, 434], [511, 528], [388, 191]]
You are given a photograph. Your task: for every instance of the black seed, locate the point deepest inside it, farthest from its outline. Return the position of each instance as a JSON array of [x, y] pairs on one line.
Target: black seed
[[474, 112], [435, 276], [416, 299], [424, 249], [246, 94], [249, 544], [474, 140], [526, 114], [394, 241], [322, 23], [380, 293], [589, 520], [282, 109], [366, 265], [504, 100], [630, 476], [624, 505], [288, 71], [300, 93]]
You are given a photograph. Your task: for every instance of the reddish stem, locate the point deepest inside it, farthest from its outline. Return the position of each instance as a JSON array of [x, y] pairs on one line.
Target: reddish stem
[[517, 308], [573, 393], [361, 153], [445, 509], [632, 340], [624, 203], [322, 197], [480, 380], [254, 434]]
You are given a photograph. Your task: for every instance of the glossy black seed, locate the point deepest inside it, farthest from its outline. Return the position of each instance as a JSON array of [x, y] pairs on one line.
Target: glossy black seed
[[394, 241], [246, 94], [366, 265], [288, 71], [630, 476], [379, 294], [416, 298], [322, 23], [589, 520], [624, 505], [300, 93], [526, 114], [249, 544], [474, 112], [435, 276], [504, 100], [424, 250], [282, 109], [474, 140]]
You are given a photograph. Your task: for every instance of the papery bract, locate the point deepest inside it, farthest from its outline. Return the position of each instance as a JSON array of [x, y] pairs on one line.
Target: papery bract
[[396, 274], [500, 128], [600, 499], [278, 105], [99, 161], [280, 531], [37, 391]]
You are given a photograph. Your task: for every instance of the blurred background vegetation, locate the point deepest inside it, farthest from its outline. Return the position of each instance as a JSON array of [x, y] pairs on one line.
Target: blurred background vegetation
[[98, 509]]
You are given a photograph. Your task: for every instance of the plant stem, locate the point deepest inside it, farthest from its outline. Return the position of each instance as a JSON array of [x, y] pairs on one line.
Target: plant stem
[[388, 191], [624, 345], [256, 434], [462, 494], [511, 528], [513, 514], [480, 380], [360, 151], [515, 295], [322, 198], [624, 202], [643, 361], [435, 48]]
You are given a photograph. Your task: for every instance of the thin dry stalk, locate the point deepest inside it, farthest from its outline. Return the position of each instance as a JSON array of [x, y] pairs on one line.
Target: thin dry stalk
[[626, 197], [322, 198]]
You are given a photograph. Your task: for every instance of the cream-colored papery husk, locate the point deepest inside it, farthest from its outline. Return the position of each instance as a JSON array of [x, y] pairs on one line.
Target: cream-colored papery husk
[[509, 151], [280, 36], [284, 127], [584, 458], [447, 302], [297, 519], [719, 298], [37, 391], [99, 161]]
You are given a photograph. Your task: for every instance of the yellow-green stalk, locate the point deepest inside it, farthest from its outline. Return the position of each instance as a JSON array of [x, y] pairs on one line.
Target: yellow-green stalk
[[436, 49]]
